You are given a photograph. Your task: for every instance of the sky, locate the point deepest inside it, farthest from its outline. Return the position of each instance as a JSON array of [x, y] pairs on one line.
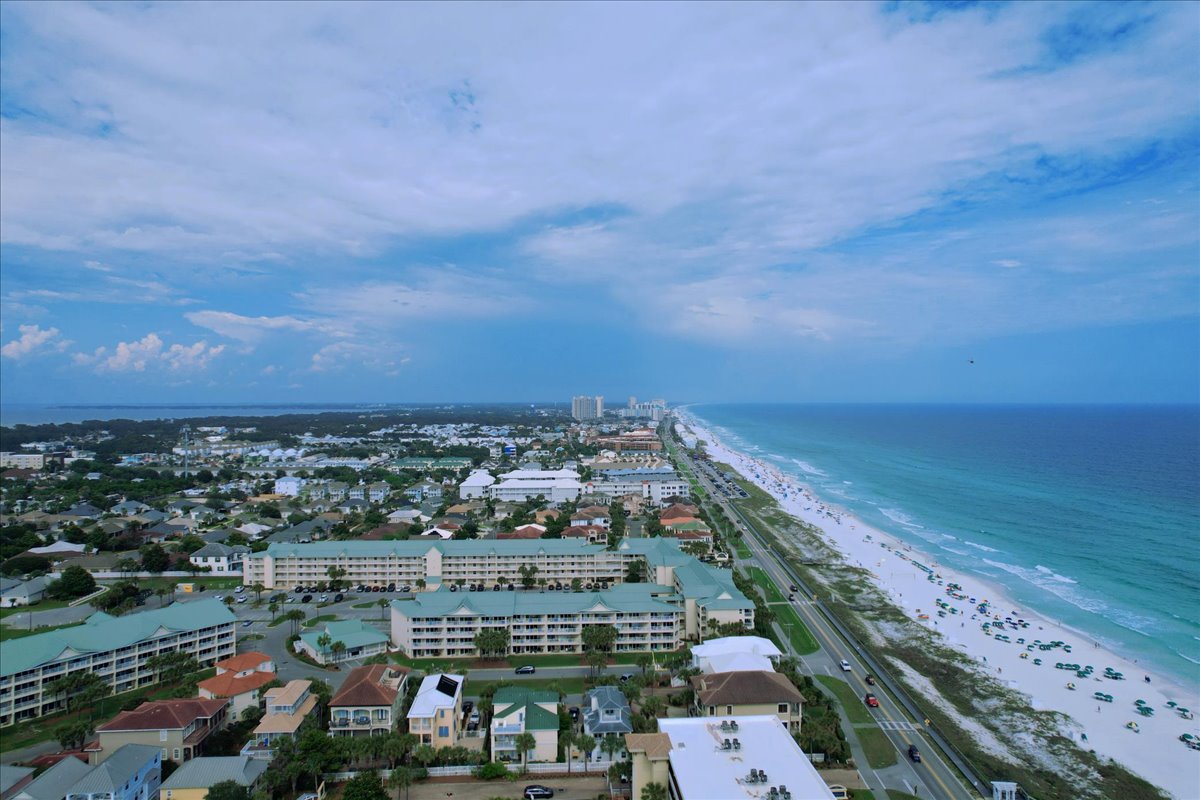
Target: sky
[[257, 202]]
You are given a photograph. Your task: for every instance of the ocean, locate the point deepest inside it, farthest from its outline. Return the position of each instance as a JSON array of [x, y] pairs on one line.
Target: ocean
[[1089, 515]]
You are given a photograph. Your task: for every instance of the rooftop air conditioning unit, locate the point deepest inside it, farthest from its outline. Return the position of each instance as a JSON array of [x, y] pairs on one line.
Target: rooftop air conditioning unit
[[737, 745], [725, 745]]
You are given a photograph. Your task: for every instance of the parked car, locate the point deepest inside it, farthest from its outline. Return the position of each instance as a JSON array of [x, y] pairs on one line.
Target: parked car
[[247, 624], [241, 599], [391, 587], [306, 599], [574, 712], [339, 597], [537, 792], [845, 665], [871, 700], [468, 706], [239, 590], [528, 669], [324, 599], [914, 753], [626, 676]]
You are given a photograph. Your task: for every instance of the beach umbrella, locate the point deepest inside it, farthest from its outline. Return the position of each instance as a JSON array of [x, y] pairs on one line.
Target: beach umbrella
[[1139, 702]]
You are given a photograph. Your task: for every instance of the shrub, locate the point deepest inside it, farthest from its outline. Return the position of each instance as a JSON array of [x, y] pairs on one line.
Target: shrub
[[492, 770]]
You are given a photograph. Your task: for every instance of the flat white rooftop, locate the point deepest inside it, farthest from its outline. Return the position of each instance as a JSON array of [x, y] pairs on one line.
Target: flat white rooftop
[[704, 770]]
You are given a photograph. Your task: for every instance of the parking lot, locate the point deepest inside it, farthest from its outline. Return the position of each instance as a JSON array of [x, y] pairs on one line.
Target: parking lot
[[564, 789]]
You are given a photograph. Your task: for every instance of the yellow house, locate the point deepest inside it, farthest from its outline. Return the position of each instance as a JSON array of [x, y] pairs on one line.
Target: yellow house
[[193, 780], [749, 693], [649, 756], [436, 712]]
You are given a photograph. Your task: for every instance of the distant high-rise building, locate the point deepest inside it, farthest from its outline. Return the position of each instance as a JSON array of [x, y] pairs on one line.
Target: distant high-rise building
[[586, 407], [632, 401]]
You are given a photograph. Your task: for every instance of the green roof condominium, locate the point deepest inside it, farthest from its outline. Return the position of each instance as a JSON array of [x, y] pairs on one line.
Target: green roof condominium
[[433, 563], [686, 600], [115, 648]]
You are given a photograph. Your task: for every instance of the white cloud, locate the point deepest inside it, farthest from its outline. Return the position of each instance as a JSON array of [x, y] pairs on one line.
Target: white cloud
[[150, 352], [350, 355], [34, 340], [1007, 263], [248, 329]]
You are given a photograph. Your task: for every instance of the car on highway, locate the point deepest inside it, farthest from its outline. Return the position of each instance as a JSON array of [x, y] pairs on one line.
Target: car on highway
[[538, 792], [871, 700], [870, 679], [914, 754], [793, 588], [845, 665], [791, 598], [528, 669]]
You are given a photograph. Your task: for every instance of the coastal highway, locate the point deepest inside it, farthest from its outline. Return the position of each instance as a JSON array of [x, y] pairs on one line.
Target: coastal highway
[[933, 777]]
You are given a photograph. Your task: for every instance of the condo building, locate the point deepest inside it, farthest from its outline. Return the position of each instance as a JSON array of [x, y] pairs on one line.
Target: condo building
[[115, 648], [431, 564]]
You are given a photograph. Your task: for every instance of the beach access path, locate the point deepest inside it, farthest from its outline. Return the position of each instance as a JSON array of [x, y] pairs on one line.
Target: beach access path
[[933, 777]]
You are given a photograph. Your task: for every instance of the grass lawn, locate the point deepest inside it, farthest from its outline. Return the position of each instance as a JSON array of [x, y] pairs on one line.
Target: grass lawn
[[898, 795], [474, 688], [42, 729], [802, 638], [210, 583], [865, 794], [879, 749], [310, 623], [44, 605], [764, 582], [856, 710], [7, 633], [371, 604]]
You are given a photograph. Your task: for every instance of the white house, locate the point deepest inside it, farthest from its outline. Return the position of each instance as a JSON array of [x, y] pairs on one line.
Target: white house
[[736, 654], [475, 485], [221, 559], [289, 485]]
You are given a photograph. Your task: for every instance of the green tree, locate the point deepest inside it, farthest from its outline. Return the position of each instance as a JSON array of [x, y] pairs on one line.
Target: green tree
[[228, 790], [611, 745], [567, 739], [75, 582], [383, 604], [337, 648], [636, 571], [365, 786], [599, 637], [586, 744], [273, 607], [72, 734], [335, 577], [400, 778], [323, 642], [644, 661], [154, 558], [424, 755], [295, 616], [258, 589], [493, 641], [172, 666], [596, 659], [528, 573], [576, 584], [77, 686], [654, 791], [525, 743]]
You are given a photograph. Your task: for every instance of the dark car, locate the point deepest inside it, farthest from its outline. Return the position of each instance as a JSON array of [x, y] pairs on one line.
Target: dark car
[[306, 599], [528, 669], [574, 712], [497, 588], [914, 753], [299, 590], [468, 706], [626, 676], [793, 588], [870, 679], [537, 792], [391, 587], [339, 597]]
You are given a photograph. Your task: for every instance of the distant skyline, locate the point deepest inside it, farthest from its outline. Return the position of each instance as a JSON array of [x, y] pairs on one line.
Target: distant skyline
[[967, 202]]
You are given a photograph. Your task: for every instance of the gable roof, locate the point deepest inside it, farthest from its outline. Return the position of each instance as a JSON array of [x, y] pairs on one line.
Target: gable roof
[[745, 688], [207, 771], [607, 698], [54, 783], [157, 715], [512, 699], [656, 746], [228, 684], [243, 661], [111, 775], [364, 686]]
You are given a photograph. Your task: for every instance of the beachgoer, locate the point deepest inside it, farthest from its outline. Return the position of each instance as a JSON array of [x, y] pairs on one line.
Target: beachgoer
[[1147, 679], [1083, 736]]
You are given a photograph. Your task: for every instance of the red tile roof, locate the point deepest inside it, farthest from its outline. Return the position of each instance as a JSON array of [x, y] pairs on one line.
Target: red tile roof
[[243, 661], [362, 687], [160, 715], [228, 684]]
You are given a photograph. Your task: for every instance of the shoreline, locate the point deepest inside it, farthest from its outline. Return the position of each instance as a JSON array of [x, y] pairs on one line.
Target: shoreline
[[903, 572]]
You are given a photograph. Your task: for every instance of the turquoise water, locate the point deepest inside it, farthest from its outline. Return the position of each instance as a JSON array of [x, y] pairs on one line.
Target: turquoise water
[[1088, 514]]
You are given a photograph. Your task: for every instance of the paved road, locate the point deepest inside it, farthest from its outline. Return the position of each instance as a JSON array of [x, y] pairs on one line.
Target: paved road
[[933, 777], [564, 789]]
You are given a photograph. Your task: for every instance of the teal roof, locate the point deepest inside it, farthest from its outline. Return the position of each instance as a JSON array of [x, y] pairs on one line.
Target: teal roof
[[627, 597], [352, 633], [710, 587], [102, 632], [511, 699], [414, 549]]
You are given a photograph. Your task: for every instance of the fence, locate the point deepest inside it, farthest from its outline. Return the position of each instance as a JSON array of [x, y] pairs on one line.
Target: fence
[[577, 767]]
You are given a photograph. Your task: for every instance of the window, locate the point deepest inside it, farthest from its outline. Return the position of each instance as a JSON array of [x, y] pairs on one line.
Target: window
[[443, 731], [175, 754], [162, 737], [783, 708], [728, 709]]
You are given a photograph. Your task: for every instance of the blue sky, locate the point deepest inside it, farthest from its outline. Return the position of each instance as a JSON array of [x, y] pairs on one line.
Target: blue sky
[[419, 202]]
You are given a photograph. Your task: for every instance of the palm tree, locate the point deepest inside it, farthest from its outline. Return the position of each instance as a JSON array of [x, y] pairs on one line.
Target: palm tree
[[273, 607], [401, 778], [258, 589], [568, 740], [337, 648], [525, 742], [162, 592], [654, 791], [611, 745], [382, 603], [323, 642], [586, 744]]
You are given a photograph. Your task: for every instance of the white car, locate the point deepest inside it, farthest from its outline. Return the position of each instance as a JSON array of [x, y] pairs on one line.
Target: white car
[[845, 665], [241, 599], [239, 590], [324, 599]]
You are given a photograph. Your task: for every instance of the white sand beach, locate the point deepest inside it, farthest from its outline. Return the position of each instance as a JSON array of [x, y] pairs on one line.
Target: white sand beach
[[922, 587]]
